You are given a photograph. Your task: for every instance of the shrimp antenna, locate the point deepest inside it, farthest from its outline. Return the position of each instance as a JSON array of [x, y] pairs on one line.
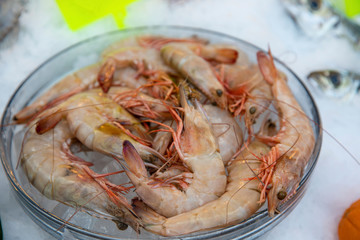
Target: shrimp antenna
[[228, 125], [232, 196], [318, 125]]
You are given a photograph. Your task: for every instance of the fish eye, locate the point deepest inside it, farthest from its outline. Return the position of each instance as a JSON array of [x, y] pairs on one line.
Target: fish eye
[[314, 4], [335, 78], [281, 195], [219, 92]]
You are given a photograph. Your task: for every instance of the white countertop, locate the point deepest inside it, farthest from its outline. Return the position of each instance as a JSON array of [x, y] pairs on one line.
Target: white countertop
[[335, 181]]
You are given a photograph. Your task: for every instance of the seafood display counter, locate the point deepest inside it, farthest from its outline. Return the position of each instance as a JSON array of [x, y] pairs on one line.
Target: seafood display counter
[[35, 52]]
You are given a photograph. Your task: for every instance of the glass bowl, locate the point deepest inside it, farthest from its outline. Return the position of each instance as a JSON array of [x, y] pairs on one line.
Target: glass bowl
[[55, 217]]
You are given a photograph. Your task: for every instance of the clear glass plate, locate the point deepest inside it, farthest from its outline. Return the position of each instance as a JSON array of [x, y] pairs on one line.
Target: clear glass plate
[[53, 216]]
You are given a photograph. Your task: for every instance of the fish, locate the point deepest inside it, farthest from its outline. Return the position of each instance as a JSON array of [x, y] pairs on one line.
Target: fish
[[341, 84], [314, 17], [317, 18]]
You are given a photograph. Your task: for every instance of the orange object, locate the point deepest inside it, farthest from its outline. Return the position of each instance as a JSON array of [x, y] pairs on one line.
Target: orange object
[[349, 226]]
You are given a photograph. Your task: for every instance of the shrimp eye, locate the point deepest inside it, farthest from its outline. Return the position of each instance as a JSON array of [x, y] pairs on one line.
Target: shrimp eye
[[281, 195], [121, 226], [252, 110], [219, 92]]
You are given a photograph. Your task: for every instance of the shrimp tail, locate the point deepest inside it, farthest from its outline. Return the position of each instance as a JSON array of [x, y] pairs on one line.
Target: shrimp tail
[[132, 158], [47, 123], [225, 55], [267, 66], [106, 74]]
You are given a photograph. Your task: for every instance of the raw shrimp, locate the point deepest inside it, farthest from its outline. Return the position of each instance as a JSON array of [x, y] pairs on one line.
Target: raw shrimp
[[200, 155], [141, 58], [293, 144], [196, 70], [59, 175], [238, 203], [100, 124], [71, 84], [226, 130]]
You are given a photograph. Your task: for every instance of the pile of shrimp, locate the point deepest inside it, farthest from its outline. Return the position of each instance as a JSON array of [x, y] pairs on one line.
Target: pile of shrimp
[[179, 116]]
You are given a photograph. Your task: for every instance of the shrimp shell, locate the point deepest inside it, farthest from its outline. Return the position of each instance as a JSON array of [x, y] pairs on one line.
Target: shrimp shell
[[226, 130], [196, 70], [57, 177], [200, 155], [295, 141], [237, 203]]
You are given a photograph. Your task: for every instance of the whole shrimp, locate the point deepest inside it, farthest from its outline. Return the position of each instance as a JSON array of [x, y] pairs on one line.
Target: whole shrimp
[[59, 175], [196, 70], [68, 86], [200, 155], [239, 201], [100, 124], [294, 142]]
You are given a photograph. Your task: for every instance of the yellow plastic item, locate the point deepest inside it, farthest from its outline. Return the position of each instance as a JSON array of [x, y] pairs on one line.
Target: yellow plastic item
[[79, 13], [350, 8]]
